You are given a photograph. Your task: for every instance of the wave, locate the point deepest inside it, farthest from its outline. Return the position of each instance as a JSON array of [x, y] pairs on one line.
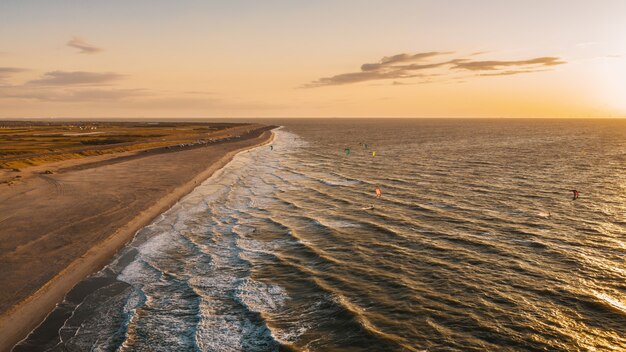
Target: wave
[[469, 248]]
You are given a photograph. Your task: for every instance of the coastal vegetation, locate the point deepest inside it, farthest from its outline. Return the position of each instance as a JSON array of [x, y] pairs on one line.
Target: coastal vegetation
[[28, 143]]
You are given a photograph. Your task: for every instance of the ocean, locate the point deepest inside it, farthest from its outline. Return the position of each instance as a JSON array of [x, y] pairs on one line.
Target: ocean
[[475, 245]]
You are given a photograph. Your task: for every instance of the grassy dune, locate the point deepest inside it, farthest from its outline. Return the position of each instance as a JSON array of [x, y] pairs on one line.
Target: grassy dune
[[24, 144]]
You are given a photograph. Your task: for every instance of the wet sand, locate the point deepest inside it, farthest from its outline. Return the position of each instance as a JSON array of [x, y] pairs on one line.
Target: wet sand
[[56, 229]]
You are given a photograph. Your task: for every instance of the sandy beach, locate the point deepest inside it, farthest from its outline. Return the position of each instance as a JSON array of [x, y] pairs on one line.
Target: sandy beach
[[58, 228]]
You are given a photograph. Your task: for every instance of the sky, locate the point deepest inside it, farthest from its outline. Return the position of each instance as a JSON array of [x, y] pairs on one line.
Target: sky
[[293, 58]]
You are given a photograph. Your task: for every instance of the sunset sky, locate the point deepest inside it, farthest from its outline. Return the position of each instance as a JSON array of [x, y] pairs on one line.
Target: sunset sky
[[292, 58]]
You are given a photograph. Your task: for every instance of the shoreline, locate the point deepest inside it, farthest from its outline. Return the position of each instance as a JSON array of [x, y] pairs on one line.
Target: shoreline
[[18, 321]]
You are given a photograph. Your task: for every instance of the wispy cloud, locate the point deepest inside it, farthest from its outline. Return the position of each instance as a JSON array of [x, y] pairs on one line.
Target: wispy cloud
[[346, 78], [389, 67], [403, 66], [82, 46], [80, 87], [104, 94], [388, 61], [496, 65], [64, 78], [8, 71], [50, 94], [509, 73], [64, 86]]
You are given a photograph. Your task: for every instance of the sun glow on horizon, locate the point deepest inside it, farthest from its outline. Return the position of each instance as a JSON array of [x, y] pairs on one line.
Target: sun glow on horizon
[[299, 59]]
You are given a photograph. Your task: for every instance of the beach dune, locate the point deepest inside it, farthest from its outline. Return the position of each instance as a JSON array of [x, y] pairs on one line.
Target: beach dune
[[56, 229]]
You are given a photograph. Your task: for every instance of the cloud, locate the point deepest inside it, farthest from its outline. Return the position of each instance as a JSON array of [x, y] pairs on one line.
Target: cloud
[[104, 94], [51, 94], [495, 65], [355, 77], [387, 68], [83, 46], [67, 86], [509, 73], [8, 71], [400, 58], [403, 66], [64, 78]]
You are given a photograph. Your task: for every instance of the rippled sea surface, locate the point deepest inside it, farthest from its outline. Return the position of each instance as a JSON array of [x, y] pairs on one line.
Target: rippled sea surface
[[475, 245]]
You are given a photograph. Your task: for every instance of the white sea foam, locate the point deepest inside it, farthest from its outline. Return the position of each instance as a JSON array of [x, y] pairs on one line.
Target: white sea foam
[[338, 223], [252, 246], [260, 297], [613, 302]]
